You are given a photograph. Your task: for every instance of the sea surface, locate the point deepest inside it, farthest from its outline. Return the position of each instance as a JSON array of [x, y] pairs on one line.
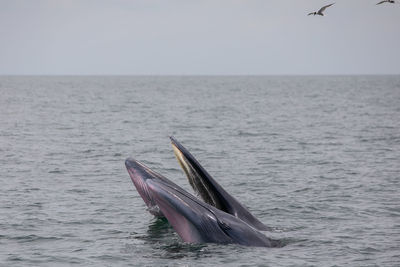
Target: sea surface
[[316, 158]]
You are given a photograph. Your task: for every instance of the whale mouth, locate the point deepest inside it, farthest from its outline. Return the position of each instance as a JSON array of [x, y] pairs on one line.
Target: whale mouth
[[194, 220]]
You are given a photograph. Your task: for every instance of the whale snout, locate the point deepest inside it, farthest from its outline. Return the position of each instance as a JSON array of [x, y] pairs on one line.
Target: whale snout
[[139, 174]]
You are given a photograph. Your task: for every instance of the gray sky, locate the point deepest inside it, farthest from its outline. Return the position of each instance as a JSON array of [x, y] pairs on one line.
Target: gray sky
[[198, 37]]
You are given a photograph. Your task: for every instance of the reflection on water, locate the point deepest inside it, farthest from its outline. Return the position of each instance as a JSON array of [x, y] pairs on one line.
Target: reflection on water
[[159, 229]]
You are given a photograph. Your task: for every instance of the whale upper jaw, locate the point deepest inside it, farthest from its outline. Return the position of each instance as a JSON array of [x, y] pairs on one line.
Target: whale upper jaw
[[209, 190]]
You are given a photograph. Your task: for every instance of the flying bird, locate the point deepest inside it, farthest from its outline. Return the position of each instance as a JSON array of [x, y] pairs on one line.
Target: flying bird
[[319, 12], [386, 1]]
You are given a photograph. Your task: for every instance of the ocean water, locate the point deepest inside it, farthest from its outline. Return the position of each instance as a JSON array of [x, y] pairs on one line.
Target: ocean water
[[315, 158]]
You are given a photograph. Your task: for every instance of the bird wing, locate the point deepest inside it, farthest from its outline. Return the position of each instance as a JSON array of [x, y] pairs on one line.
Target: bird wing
[[310, 13], [325, 7], [381, 2]]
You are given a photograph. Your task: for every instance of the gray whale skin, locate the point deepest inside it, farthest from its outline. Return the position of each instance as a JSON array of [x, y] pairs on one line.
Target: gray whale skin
[[221, 220]]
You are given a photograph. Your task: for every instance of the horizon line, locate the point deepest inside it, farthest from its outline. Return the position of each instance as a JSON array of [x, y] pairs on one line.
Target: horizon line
[[211, 75]]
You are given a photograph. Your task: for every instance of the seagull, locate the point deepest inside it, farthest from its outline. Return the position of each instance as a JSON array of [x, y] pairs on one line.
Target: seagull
[[386, 1], [323, 9]]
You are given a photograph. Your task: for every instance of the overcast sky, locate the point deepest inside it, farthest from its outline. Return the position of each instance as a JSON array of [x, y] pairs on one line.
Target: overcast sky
[[198, 37]]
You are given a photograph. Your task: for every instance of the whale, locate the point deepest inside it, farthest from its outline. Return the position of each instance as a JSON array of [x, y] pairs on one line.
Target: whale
[[202, 183], [194, 220]]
